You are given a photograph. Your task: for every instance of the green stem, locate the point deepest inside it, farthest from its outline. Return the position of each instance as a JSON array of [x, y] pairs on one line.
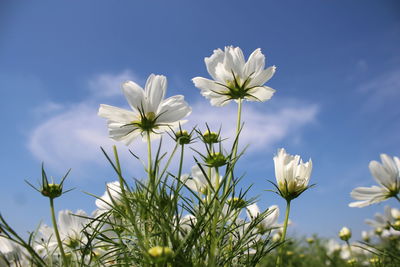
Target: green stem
[[285, 225], [53, 219], [397, 197], [350, 250], [121, 185], [239, 116], [236, 144], [170, 159], [176, 195], [149, 164], [217, 210]]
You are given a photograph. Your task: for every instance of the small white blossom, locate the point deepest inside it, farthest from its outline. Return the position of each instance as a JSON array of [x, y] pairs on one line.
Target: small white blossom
[[151, 112], [234, 78], [387, 175], [270, 221], [292, 175]]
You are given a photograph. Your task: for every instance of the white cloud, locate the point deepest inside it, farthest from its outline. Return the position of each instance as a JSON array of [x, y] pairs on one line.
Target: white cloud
[[108, 85], [382, 91], [72, 137]]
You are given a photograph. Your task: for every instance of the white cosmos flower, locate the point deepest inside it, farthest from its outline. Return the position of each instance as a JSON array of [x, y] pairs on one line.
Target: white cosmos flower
[[198, 182], [12, 254], [292, 175], [234, 78], [382, 220], [387, 175], [112, 196], [70, 226], [151, 112], [270, 221]]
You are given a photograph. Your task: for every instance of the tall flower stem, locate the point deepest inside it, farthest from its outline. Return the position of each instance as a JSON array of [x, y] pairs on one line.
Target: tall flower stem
[[397, 197], [53, 219], [351, 251], [236, 144], [176, 195], [285, 225], [149, 164], [122, 184], [217, 210]]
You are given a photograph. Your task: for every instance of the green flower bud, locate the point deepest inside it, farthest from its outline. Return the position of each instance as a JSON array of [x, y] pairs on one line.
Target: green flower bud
[[396, 225], [374, 260], [51, 190], [345, 234], [210, 137], [160, 252], [378, 231], [183, 137], [216, 160], [237, 203], [310, 240], [352, 261]]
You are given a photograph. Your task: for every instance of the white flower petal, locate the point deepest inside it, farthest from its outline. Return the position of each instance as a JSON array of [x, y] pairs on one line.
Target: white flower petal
[[155, 88], [262, 77], [116, 114], [212, 61], [261, 93], [134, 94], [173, 109], [255, 63]]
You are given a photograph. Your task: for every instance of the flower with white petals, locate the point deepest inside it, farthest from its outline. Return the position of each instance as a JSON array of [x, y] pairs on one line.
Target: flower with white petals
[[382, 221], [151, 112], [70, 227], [234, 78], [387, 175], [292, 175], [199, 182], [270, 221], [12, 254], [111, 197]]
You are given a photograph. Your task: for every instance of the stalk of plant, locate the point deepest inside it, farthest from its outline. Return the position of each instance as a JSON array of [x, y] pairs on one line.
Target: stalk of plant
[[52, 191], [57, 234], [292, 176]]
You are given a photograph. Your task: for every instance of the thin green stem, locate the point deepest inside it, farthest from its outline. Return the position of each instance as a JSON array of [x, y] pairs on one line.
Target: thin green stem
[[397, 197], [217, 210], [53, 219], [351, 252], [238, 123], [122, 185], [149, 163], [176, 195], [169, 159], [236, 144], [285, 225]]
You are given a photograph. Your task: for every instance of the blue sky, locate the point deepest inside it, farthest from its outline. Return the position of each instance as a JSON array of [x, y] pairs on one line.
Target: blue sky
[[337, 82]]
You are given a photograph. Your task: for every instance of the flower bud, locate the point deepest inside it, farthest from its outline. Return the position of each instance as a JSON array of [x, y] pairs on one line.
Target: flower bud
[[237, 203], [277, 237], [378, 231], [345, 234], [51, 190], [159, 252], [365, 236], [396, 225], [183, 137], [210, 137], [216, 160], [310, 240], [374, 260], [352, 261]]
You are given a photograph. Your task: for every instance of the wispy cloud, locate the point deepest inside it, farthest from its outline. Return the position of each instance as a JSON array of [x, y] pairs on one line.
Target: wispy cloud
[[383, 90], [73, 136], [108, 85]]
